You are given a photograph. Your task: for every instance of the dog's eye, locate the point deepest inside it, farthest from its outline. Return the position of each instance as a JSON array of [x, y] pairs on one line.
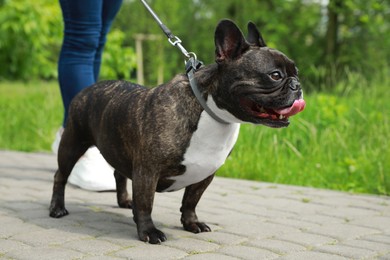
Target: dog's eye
[[275, 75]]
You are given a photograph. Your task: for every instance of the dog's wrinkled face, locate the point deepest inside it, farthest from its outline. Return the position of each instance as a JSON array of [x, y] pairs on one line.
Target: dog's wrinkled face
[[260, 84]]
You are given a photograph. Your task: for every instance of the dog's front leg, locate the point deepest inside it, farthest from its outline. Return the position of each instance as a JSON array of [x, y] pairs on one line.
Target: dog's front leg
[[122, 196], [191, 197], [144, 188]]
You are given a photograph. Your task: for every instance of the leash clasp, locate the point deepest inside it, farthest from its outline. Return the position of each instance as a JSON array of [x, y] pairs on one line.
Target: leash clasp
[[175, 41]]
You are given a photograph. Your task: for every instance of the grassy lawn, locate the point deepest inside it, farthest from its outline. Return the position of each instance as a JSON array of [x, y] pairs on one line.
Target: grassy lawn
[[341, 141], [30, 114]]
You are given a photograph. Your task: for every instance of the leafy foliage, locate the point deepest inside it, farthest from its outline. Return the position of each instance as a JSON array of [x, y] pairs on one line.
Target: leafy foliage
[[118, 61], [296, 27], [364, 33], [29, 42]]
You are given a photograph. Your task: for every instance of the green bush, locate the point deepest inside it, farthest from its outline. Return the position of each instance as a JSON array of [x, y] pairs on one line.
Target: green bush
[[30, 39], [118, 61]]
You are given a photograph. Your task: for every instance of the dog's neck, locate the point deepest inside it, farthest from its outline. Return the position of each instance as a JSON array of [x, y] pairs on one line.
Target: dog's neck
[[207, 82], [206, 79]]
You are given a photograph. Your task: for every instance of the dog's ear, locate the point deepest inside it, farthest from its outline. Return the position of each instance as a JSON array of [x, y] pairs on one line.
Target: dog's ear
[[254, 36], [230, 43]]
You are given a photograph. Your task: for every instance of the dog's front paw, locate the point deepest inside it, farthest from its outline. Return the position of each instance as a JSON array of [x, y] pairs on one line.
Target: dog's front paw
[[196, 227], [153, 236], [58, 212]]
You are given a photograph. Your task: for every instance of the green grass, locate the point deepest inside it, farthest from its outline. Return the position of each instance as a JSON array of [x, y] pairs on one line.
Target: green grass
[[340, 141], [30, 114]]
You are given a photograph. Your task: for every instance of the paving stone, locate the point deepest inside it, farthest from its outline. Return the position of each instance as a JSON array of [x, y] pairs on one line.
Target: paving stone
[[247, 252], [380, 248], [177, 232], [347, 251], [376, 222], [275, 213], [24, 206], [319, 219], [343, 200], [312, 255], [306, 239], [92, 246], [147, 252], [10, 229], [210, 256], [276, 246], [221, 238], [381, 238], [295, 223], [244, 208], [255, 229], [5, 220], [8, 245], [45, 253], [106, 257], [380, 204], [50, 237], [123, 239], [289, 205], [110, 226], [350, 213], [229, 218], [192, 246], [342, 231]]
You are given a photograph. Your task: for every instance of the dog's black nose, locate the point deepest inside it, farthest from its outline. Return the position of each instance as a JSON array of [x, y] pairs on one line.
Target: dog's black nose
[[294, 85]]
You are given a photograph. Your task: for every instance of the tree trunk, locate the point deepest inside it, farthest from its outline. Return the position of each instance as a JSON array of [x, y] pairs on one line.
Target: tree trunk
[[331, 48]]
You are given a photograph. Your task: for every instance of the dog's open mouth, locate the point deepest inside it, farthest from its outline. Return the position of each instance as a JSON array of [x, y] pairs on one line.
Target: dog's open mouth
[[282, 114]]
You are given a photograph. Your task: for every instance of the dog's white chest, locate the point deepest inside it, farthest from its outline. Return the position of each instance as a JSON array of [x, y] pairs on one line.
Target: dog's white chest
[[209, 147]]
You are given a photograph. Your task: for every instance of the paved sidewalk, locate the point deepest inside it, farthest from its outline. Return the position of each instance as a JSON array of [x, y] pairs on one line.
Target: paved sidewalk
[[250, 220]]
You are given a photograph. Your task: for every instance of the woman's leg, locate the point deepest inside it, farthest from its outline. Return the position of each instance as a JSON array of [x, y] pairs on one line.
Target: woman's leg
[[110, 9], [83, 26]]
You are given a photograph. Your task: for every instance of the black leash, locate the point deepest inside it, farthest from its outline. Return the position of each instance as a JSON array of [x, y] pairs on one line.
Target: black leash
[[192, 64]]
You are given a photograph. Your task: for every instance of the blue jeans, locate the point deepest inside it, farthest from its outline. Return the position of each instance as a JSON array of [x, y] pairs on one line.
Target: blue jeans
[[87, 23]]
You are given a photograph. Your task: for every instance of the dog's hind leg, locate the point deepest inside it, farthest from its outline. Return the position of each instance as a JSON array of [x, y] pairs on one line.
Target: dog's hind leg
[[122, 196], [70, 150]]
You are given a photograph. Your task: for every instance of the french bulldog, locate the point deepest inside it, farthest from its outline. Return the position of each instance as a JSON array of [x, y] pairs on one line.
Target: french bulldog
[[162, 138]]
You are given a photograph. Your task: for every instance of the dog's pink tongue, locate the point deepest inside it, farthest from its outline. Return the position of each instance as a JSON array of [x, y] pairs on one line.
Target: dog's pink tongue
[[297, 107]]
